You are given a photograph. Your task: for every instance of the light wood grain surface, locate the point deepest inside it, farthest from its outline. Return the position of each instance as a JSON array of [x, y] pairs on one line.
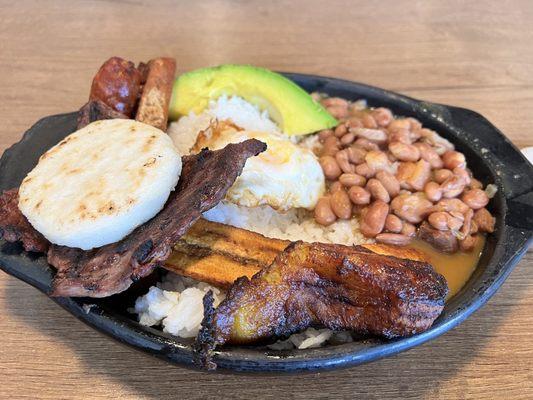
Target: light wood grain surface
[[477, 55]]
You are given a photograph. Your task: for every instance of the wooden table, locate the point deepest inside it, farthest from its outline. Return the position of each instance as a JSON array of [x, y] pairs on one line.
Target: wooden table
[[473, 54]]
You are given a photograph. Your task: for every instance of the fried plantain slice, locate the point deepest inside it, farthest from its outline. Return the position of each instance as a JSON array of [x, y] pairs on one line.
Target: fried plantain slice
[[220, 254], [315, 284]]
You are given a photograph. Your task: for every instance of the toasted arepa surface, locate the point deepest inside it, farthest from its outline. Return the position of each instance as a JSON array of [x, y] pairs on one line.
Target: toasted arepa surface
[[100, 183]]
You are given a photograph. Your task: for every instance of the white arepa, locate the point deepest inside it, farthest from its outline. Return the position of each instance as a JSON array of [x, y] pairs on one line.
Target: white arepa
[[100, 183]]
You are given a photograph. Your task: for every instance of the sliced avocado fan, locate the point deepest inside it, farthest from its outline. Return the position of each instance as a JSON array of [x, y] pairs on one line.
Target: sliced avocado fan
[[291, 107]]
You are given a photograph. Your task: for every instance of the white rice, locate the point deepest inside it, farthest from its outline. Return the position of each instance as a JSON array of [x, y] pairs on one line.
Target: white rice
[[176, 303], [243, 114], [292, 225]]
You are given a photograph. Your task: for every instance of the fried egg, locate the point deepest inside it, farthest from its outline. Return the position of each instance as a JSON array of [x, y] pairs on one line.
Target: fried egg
[[285, 176]]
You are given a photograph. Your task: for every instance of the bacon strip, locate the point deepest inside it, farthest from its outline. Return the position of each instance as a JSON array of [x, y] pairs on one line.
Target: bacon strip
[[155, 98]]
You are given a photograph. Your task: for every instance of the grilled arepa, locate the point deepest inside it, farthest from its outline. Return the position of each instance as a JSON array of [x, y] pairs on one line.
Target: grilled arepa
[[100, 183]]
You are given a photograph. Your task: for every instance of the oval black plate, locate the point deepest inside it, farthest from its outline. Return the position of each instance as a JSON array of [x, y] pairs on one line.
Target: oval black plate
[[492, 157]]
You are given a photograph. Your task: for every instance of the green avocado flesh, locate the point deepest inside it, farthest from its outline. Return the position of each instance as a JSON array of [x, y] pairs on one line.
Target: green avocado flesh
[[291, 107]]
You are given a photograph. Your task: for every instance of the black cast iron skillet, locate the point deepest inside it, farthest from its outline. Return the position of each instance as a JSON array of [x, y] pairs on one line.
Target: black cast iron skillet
[[490, 155]]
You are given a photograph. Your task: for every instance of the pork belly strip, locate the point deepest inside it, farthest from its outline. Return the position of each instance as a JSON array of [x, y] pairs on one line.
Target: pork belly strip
[[205, 179], [156, 92], [335, 286], [15, 227]]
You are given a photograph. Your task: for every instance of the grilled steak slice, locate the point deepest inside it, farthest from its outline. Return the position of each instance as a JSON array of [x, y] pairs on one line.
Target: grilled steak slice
[[95, 110], [335, 286], [205, 179], [15, 227]]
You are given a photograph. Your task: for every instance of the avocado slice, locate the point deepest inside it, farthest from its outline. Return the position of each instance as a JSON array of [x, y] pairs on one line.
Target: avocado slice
[[291, 107]]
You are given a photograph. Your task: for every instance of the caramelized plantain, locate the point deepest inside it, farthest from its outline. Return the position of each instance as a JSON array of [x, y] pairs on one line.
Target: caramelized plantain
[[220, 254], [335, 286]]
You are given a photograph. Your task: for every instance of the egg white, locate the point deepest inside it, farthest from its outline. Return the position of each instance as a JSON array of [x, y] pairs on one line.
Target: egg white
[[285, 176]]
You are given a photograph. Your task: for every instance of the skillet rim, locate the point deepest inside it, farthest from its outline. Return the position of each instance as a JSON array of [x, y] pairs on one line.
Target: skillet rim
[[467, 129]]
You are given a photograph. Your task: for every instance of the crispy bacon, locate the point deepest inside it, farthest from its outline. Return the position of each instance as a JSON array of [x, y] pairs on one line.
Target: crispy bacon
[[155, 98]]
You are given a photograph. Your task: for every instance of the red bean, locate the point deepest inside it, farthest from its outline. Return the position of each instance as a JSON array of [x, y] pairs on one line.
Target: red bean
[[394, 239], [393, 224], [324, 214], [382, 116], [377, 190], [433, 191], [335, 186], [347, 139], [344, 163], [453, 159], [340, 204], [408, 229], [356, 154], [429, 154], [441, 175], [349, 180], [390, 182], [340, 130], [439, 220], [365, 170], [475, 198], [330, 167], [369, 121], [373, 218], [359, 195], [404, 152]]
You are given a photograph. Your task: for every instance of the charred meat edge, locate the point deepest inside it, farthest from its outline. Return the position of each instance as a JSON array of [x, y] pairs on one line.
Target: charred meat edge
[[14, 226]]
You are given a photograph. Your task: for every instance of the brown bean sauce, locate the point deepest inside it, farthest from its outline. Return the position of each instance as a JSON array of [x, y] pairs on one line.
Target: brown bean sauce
[[457, 267]]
